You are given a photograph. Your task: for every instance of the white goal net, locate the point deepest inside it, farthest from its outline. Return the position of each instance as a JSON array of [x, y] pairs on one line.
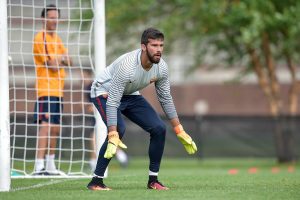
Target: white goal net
[[73, 143]]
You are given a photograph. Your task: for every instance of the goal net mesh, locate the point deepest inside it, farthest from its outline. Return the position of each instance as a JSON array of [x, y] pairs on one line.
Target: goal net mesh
[[75, 28]]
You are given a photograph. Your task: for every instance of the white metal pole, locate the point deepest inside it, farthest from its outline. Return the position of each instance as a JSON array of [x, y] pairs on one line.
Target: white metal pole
[[100, 63], [99, 31], [4, 102]]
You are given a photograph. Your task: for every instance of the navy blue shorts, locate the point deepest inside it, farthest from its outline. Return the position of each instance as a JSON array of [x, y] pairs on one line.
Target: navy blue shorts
[[134, 107], [48, 109], [138, 110]]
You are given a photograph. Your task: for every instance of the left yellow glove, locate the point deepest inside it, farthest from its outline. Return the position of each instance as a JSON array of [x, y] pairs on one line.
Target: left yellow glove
[[185, 139], [113, 143]]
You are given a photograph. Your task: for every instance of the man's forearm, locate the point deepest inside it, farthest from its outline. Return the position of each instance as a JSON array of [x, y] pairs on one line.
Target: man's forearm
[[53, 64], [174, 122], [112, 128]]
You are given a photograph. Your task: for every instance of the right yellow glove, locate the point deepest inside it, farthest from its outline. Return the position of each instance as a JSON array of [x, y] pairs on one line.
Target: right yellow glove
[[113, 143], [185, 139]]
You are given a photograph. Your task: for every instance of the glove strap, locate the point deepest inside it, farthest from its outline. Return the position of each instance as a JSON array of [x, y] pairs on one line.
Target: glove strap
[[113, 134], [178, 129]]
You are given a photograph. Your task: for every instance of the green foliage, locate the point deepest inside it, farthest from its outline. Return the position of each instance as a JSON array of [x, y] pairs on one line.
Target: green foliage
[[85, 16], [226, 26]]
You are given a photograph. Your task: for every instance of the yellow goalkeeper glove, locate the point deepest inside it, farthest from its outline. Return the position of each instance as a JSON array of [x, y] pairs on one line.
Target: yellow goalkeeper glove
[[185, 139], [113, 143]]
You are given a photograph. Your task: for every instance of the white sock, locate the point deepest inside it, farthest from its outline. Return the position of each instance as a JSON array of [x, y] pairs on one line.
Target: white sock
[[98, 176], [153, 173], [39, 164], [93, 163], [105, 174], [50, 164]]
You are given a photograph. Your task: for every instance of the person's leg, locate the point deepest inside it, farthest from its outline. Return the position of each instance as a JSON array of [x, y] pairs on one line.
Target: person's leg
[[50, 156], [91, 121], [56, 108], [41, 146], [122, 157], [102, 163], [141, 112], [97, 182], [41, 108], [55, 129], [42, 140], [93, 157]]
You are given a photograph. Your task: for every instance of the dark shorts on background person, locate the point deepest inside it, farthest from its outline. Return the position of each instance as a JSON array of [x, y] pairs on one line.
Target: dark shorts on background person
[[48, 109]]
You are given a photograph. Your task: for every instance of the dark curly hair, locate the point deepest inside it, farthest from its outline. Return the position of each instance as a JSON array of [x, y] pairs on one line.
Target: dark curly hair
[[151, 33]]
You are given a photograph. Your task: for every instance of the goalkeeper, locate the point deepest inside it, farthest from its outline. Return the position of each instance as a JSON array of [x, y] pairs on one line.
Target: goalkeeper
[[115, 91]]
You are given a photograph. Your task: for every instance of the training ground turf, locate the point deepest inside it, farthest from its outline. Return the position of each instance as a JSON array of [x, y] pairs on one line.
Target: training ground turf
[[187, 179]]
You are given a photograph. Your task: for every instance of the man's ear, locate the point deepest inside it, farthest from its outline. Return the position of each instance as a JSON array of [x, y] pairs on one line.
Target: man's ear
[[143, 46]]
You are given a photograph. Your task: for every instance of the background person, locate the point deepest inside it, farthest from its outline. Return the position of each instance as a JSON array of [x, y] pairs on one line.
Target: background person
[[50, 57]]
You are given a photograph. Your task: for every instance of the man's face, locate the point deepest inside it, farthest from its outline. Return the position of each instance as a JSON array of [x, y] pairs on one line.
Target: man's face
[[154, 49], [51, 20]]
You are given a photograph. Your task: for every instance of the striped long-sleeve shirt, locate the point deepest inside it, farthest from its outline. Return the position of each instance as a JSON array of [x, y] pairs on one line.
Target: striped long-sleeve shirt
[[126, 76]]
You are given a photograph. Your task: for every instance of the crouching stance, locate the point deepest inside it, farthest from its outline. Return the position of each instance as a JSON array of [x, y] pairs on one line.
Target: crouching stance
[[115, 91]]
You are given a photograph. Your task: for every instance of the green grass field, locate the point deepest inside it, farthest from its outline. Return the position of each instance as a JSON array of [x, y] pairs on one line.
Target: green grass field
[[187, 178]]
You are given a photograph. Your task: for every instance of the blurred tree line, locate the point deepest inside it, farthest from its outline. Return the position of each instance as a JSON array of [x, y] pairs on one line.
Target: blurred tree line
[[258, 36]]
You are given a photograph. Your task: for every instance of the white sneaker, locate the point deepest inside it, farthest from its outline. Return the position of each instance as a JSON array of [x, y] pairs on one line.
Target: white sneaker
[[44, 172], [56, 172], [41, 172]]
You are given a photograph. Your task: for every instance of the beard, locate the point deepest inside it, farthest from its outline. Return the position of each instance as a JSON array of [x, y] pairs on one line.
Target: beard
[[152, 58]]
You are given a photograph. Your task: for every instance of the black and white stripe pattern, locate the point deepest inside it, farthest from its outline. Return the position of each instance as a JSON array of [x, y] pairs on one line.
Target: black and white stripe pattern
[[125, 76]]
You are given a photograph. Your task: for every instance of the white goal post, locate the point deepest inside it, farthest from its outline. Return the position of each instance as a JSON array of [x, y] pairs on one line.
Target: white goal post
[[4, 102], [86, 47]]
